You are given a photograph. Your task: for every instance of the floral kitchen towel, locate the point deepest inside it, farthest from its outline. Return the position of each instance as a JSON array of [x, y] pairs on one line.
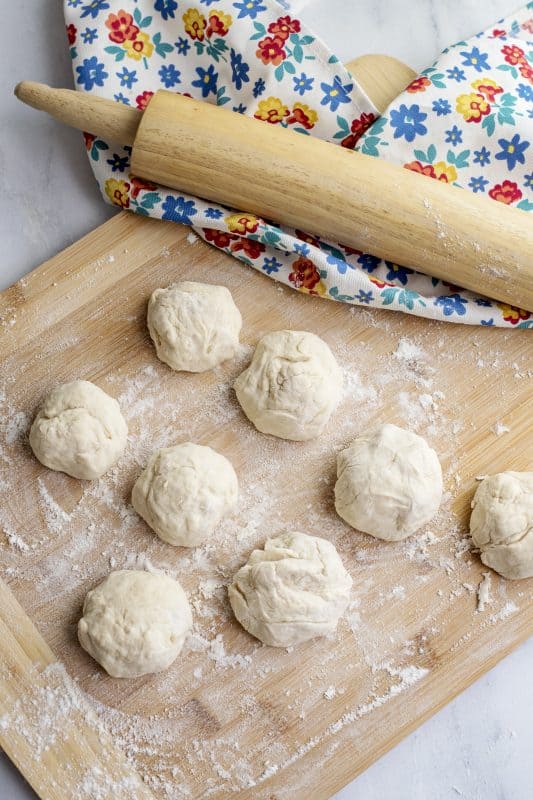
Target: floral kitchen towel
[[466, 120]]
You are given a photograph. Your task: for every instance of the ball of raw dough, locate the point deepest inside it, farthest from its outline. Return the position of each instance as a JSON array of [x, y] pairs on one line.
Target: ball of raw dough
[[291, 386], [501, 524], [293, 590], [389, 483], [184, 492], [194, 326], [135, 622], [79, 430]]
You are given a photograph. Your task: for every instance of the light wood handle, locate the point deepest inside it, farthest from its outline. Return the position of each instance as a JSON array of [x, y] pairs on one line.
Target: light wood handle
[[112, 121], [47, 727], [364, 202]]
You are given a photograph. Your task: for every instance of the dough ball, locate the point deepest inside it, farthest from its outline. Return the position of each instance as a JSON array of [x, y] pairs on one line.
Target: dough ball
[[194, 326], [389, 483], [291, 386], [293, 590], [184, 492], [501, 524], [79, 430], [135, 622]]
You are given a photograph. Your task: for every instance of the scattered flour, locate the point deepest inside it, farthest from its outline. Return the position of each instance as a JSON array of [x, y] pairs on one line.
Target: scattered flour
[[483, 592]]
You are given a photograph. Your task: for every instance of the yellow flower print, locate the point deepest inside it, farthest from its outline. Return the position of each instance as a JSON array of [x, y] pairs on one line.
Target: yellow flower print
[[445, 172], [117, 191], [194, 24], [472, 106], [303, 115], [242, 223], [140, 47], [488, 88], [219, 23], [271, 110]]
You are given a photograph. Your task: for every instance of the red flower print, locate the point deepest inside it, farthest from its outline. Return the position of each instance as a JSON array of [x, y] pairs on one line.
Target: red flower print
[[526, 71], [513, 314], [506, 192], [304, 274], [418, 85], [138, 185], [219, 238], [121, 27], [358, 127], [307, 237], [303, 115], [89, 139], [513, 54], [271, 50], [71, 33], [219, 23], [143, 99], [252, 248], [528, 25], [498, 33], [422, 169], [488, 88], [283, 27]]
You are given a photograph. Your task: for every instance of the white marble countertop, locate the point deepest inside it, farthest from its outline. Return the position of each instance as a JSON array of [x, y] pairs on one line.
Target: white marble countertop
[[479, 746]]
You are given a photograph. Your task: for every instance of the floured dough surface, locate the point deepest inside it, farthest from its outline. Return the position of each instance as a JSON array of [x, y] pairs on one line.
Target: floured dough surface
[[501, 524], [389, 483], [194, 326], [294, 589], [79, 429], [292, 385], [135, 623], [184, 492]]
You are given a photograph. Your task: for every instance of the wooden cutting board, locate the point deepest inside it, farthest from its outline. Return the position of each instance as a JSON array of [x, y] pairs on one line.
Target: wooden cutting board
[[232, 718]]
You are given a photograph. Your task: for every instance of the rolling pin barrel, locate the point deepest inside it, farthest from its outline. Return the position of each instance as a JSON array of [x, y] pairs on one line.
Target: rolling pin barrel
[[364, 202]]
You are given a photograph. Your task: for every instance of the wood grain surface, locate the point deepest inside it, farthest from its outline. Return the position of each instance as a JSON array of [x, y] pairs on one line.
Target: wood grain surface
[[231, 718]]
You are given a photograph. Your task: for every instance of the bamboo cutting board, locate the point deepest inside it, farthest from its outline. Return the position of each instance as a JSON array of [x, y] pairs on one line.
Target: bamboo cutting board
[[232, 718]]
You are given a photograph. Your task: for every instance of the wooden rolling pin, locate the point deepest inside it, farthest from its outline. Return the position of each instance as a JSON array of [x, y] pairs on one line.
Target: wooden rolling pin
[[361, 201]]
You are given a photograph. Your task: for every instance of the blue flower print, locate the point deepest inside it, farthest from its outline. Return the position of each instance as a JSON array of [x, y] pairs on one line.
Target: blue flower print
[[488, 322], [213, 213], [169, 75], [530, 113], [166, 8], [182, 46], [482, 301], [339, 263], [452, 304], [239, 69], [482, 157], [454, 136], [118, 163], [121, 98], [89, 35], [407, 122], [364, 297], [207, 80], [178, 209], [301, 249], [91, 73], [335, 93], [512, 151], [368, 262], [93, 8], [73, 3], [478, 184], [271, 265], [397, 273], [240, 109], [127, 77], [474, 58], [525, 92], [303, 84], [249, 8], [528, 181], [441, 107], [456, 74], [259, 87]]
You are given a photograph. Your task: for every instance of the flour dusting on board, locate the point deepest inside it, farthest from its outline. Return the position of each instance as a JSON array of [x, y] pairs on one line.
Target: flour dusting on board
[[231, 714]]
